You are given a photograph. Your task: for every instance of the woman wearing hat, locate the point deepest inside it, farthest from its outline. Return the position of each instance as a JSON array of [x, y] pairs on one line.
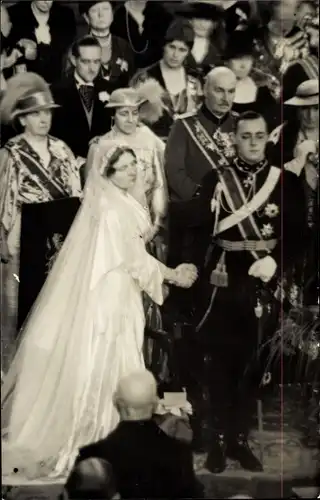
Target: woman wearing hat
[[255, 91], [181, 90], [130, 107], [34, 168], [117, 64], [304, 68], [209, 36], [295, 145]]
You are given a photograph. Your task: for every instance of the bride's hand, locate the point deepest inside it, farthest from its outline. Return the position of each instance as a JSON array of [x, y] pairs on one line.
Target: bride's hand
[[186, 275]]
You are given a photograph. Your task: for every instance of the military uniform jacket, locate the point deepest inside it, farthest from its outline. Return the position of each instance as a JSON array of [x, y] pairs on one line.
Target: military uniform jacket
[[184, 164], [279, 216]]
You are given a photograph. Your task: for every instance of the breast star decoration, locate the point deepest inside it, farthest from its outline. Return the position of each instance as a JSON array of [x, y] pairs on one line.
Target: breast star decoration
[[248, 181], [267, 230], [271, 210], [225, 143]]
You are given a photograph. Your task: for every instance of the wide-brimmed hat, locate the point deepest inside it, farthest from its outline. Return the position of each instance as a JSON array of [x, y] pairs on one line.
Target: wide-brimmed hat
[[25, 93], [307, 94], [199, 10], [85, 5], [146, 95], [125, 98]]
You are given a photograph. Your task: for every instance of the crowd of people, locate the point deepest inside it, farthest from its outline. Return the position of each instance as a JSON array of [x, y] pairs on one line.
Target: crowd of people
[[159, 166]]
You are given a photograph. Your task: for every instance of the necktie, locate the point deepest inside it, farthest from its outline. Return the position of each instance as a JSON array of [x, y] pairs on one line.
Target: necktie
[[87, 95]]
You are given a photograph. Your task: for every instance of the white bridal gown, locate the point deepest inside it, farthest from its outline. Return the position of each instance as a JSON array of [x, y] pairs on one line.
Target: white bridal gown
[[85, 333]]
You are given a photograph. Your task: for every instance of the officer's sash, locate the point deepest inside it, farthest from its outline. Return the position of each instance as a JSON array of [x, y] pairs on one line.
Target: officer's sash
[[206, 144], [241, 211]]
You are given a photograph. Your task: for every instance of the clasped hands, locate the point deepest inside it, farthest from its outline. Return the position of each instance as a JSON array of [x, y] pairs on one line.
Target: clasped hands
[[263, 268], [185, 275]]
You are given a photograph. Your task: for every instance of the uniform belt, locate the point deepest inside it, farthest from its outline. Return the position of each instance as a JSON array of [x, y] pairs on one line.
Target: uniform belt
[[247, 245]]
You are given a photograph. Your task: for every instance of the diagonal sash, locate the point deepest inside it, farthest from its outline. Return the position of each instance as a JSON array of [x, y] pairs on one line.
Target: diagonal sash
[[206, 144], [242, 213], [34, 168]]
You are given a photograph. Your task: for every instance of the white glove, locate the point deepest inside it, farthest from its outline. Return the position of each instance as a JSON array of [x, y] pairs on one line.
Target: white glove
[[264, 269]]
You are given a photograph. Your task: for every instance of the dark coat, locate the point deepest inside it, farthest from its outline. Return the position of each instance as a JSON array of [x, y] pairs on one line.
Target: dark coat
[[62, 25], [121, 67], [184, 164], [210, 61], [70, 122], [148, 45], [191, 100], [232, 313], [146, 462]]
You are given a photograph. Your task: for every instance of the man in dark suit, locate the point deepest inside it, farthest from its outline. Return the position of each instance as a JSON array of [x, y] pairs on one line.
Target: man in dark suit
[[146, 462], [82, 114]]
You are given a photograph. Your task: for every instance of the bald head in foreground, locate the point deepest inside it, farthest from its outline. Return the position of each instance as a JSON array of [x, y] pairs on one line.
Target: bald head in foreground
[[136, 396], [146, 462]]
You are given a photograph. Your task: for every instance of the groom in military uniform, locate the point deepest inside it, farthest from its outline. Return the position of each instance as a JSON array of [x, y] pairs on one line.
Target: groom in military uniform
[[257, 224]]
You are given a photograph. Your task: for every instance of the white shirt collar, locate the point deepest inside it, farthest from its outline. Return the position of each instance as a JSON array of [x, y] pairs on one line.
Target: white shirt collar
[[79, 81]]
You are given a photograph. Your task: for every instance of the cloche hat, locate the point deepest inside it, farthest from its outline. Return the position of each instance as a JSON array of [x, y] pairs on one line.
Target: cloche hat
[[199, 10], [146, 95], [84, 6], [25, 93]]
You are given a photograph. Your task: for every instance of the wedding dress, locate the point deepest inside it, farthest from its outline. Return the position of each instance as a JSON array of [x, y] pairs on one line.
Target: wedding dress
[[84, 333]]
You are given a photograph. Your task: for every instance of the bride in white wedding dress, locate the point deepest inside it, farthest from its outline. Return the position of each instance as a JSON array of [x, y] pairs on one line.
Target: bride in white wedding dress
[[86, 329]]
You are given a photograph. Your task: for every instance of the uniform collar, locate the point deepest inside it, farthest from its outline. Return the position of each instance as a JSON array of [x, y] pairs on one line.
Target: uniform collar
[[213, 118], [249, 168]]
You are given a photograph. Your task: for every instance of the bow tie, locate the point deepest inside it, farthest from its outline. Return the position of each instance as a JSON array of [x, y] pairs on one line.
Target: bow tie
[[87, 95]]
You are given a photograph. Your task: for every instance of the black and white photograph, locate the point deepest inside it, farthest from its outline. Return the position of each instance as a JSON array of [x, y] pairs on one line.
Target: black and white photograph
[[159, 244]]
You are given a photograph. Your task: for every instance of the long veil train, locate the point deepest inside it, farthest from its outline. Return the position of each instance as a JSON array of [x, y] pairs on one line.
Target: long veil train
[[57, 394]]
